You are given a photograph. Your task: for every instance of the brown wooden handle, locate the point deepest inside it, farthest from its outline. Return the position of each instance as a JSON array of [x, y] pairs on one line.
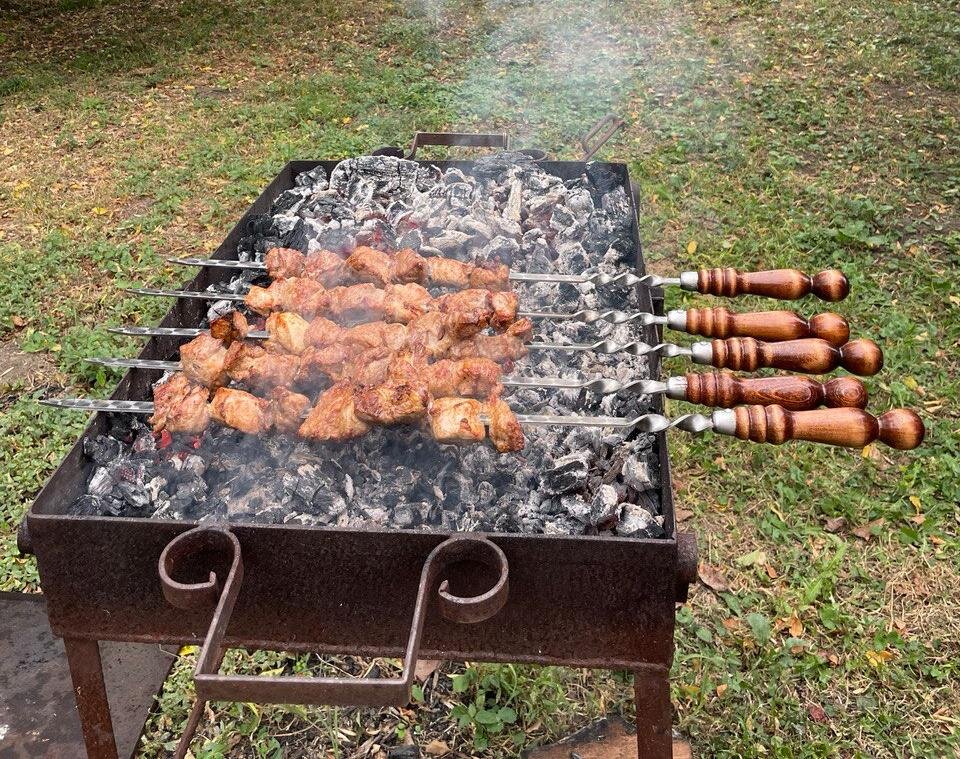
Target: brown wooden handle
[[849, 427], [796, 393], [783, 284], [810, 356], [773, 326]]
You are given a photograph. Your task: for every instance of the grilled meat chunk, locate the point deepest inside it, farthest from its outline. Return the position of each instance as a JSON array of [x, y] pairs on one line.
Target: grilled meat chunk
[[503, 348], [382, 269], [470, 377], [333, 416], [456, 420], [229, 328], [288, 330], [241, 410], [284, 263], [258, 367], [506, 434], [180, 406], [287, 409], [202, 360]]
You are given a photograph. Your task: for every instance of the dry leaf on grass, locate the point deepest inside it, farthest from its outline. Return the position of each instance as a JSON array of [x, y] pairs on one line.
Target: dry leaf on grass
[[425, 668], [835, 524], [436, 748], [817, 714], [713, 578], [683, 515], [865, 531]]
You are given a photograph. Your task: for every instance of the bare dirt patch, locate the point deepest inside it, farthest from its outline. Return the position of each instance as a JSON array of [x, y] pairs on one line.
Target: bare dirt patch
[[30, 370]]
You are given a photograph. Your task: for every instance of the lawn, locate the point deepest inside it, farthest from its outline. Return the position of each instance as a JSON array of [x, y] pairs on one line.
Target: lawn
[[808, 134]]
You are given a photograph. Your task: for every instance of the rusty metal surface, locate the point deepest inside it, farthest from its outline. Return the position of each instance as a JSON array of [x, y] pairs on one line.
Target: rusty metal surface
[[590, 601], [37, 708]]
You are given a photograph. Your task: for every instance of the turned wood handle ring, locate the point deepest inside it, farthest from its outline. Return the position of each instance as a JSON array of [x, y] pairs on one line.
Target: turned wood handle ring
[[772, 326], [795, 393], [810, 356], [783, 284], [848, 427]]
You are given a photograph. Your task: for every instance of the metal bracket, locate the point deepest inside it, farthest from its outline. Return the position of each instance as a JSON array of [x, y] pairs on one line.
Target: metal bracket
[[599, 134], [687, 560], [218, 547], [458, 139]]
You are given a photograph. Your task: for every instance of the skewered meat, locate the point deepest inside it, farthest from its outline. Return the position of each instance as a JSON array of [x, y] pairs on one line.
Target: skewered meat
[[500, 348], [333, 416], [288, 330], [288, 409], [369, 265], [229, 328], [202, 360], [180, 406], [258, 367], [456, 420], [392, 303], [505, 431], [241, 410], [470, 377]]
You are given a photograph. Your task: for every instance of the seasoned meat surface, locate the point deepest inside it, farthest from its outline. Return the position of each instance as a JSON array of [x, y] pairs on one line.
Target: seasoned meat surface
[[283, 263], [506, 434], [241, 410], [180, 406], [456, 420], [202, 360], [333, 416]]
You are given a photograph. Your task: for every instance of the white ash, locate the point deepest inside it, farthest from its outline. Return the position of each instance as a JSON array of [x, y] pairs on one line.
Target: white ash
[[565, 481]]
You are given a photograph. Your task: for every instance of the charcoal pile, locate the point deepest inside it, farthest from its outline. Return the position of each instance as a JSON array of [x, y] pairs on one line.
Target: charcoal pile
[[507, 209]]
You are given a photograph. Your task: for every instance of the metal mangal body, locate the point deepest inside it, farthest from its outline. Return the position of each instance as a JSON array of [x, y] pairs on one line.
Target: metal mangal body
[[572, 600]]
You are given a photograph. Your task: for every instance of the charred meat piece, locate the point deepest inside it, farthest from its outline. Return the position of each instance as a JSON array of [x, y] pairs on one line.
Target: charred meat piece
[[470, 377], [180, 406], [259, 368], [303, 296], [288, 409], [490, 276], [283, 263], [382, 269], [449, 271], [288, 330], [456, 420], [500, 348], [202, 361], [241, 410], [327, 268], [505, 431], [333, 416], [392, 403], [229, 328]]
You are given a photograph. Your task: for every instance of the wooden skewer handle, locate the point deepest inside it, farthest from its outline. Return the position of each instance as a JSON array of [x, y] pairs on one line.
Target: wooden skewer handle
[[795, 393], [849, 427], [809, 356], [783, 284], [773, 326]]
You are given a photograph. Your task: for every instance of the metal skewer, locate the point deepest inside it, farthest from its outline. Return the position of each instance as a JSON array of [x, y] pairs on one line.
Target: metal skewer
[[810, 356], [784, 284], [848, 427], [773, 326], [723, 389]]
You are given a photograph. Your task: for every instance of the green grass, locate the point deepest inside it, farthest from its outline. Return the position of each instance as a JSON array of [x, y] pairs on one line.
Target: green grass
[[807, 135]]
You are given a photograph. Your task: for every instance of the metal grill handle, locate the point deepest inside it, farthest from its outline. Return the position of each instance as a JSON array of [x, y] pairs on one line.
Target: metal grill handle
[[458, 139], [221, 547]]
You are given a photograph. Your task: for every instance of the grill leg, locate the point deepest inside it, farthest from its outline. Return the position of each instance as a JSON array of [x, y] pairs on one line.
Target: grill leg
[[90, 693], [654, 714]]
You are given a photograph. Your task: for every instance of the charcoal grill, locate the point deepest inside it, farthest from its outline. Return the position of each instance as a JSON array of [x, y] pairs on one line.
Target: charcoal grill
[[581, 601]]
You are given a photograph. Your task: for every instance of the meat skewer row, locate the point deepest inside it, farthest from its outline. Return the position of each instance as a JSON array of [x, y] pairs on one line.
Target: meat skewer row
[[344, 411], [392, 303], [298, 351]]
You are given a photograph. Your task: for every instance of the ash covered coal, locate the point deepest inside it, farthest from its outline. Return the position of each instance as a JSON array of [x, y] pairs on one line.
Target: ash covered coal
[[566, 480]]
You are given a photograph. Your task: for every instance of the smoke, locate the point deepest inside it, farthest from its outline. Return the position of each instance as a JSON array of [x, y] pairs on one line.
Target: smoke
[[543, 71]]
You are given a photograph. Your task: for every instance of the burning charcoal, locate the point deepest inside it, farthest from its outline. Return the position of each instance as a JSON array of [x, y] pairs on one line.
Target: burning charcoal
[[103, 449], [101, 483], [296, 237], [603, 509], [377, 234], [290, 201], [502, 249], [87, 506], [316, 177], [412, 239], [449, 241], [497, 165], [405, 517], [569, 473], [636, 474], [602, 180], [562, 219], [576, 508], [636, 522]]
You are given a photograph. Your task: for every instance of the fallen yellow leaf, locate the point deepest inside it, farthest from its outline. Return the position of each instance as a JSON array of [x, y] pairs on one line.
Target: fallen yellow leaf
[[879, 658], [721, 689], [691, 247], [916, 503]]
